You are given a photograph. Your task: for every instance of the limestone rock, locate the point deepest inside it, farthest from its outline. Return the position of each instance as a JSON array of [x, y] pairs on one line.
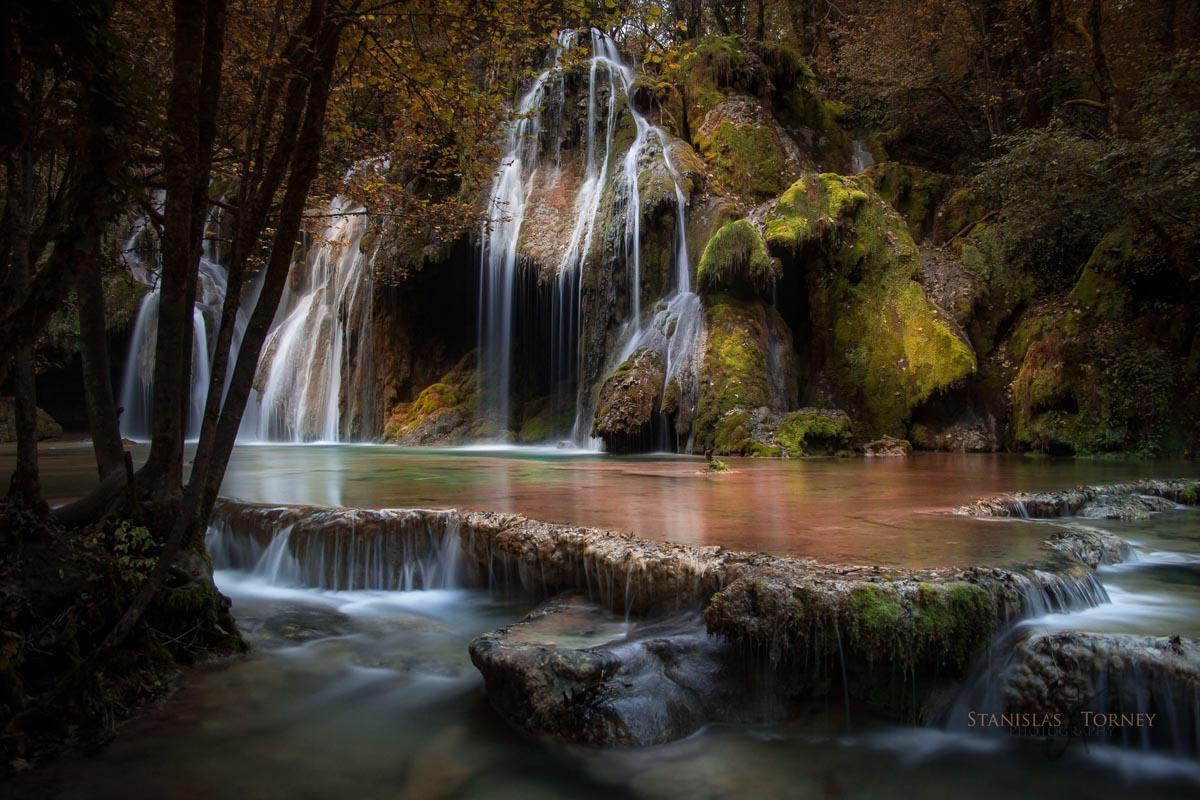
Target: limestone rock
[[884, 346], [747, 362], [576, 672], [887, 446], [47, 428], [1073, 673], [957, 437], [1103, 499], [629, 399], [444, 412], [752, 156]]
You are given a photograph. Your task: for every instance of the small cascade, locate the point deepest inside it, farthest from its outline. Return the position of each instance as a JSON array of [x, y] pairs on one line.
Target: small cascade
[[860, 157], [534, 153], [318, 355], [339, 551]]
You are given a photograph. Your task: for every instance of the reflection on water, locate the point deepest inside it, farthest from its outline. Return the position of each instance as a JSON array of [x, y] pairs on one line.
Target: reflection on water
[[883, 510], [371, 694]]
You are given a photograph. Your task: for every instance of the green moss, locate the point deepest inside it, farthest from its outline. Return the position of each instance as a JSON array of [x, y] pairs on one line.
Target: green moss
[[747, 158], [872, 615], [736, 258], [962, 208], [951, 622], [451, 397], [733, 435], [1087, 385], [1006, 287], [912, 191], [801, 106], [886, 348], [1100, 287], [807, 433], [1190, 495], [812, 207], [733, 373], [546, 425]]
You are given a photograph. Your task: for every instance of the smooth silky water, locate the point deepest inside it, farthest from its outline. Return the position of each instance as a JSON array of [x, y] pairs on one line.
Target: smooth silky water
[[370, 694]]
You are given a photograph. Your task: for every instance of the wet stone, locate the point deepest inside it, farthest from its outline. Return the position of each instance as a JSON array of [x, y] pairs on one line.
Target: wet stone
[[571, 670]]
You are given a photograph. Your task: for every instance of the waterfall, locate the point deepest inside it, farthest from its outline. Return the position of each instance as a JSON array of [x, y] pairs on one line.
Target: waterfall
[[537, 125], [317, 358], [318, 352], [860, 157], [137, 385]]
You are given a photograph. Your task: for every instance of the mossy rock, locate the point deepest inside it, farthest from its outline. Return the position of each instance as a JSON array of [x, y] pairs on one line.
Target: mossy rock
[[750, 155], [898, 642], [705, 218], [885, 346], [714, 68], [544, 424], [815, 433], [1100, 286], [629, 399], [747, 362], [912, 191], [736, 260], [1087, 385], [961, 209], [47, 428], [443, 412], [817, 122], [1006, 288]]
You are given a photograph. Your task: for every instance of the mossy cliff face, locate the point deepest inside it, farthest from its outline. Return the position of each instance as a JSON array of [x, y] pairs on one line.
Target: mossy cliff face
[[715, 68], [736, 260], [444, 412], [884, 346], [747, 362], [1088, 385], [915, 193]]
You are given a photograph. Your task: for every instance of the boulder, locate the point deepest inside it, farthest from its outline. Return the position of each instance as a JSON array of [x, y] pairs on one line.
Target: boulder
[[47, 428], [751, 155], [747, 361], [887, 446], [884, 346], [574, 671], [629, 399]]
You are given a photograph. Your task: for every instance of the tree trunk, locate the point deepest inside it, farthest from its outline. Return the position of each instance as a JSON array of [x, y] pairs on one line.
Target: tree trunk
[[23, 489], [1104, 81], [186, 155], [97, 381]]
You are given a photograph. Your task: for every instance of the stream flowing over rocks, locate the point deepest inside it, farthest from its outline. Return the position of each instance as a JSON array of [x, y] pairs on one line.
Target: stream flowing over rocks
[[639, 642]]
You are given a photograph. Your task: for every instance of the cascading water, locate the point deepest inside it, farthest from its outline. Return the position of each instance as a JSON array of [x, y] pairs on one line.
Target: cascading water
[[137, 387], [539, 118], [319, 351], [318, 358]]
